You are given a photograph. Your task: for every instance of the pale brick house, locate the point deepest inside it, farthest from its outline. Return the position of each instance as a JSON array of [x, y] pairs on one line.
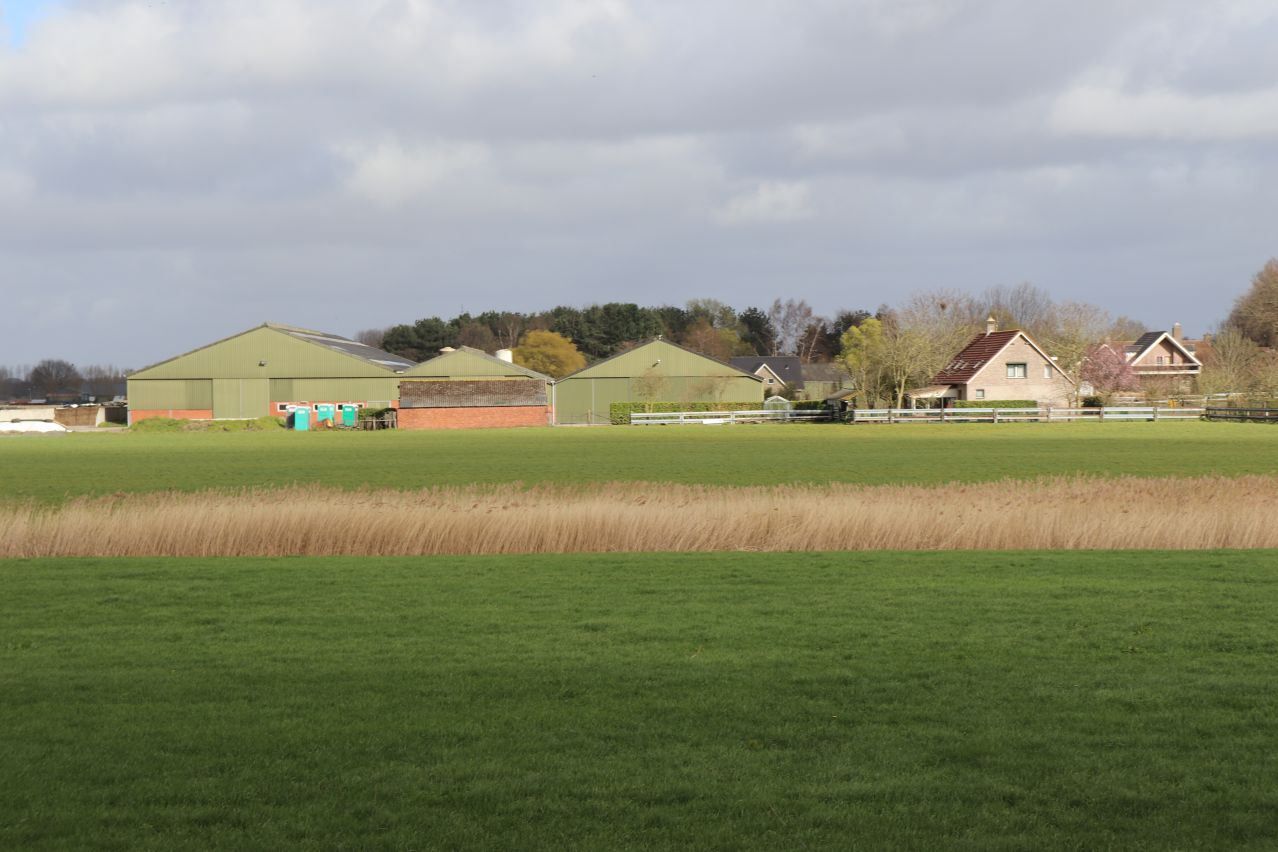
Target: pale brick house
[[997, 366], [1164, 358]]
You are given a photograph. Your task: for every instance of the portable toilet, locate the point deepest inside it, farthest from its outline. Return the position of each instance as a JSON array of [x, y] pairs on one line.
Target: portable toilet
[[324, 412], [302, 418], [350, 412]]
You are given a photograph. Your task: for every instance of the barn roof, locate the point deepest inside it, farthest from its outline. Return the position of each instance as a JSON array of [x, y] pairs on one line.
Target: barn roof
[[346, 346], [468, 361]]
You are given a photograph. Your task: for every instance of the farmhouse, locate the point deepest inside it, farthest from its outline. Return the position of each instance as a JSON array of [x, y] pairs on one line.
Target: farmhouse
[[655, 371], [1163, 356], [467, 388], [779, 372], [1000, 365], [262, 372]]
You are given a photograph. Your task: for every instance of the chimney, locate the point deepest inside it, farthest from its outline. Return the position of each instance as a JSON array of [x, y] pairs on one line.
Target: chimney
[[991, 325], [505, 355], [1178, 333]]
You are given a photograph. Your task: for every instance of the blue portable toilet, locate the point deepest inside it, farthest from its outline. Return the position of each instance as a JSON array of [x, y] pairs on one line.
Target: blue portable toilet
[[349, 413], [324, 412], [302, 418]]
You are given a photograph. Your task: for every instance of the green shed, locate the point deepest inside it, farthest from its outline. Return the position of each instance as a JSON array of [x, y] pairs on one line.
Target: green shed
[[467, 388], [655, 371], [263, 371]]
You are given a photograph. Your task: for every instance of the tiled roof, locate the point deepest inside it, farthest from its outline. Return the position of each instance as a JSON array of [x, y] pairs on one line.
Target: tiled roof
[[973, 357]]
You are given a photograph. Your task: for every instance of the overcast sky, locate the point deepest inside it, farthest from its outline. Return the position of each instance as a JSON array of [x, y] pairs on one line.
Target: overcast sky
[[172, 172]]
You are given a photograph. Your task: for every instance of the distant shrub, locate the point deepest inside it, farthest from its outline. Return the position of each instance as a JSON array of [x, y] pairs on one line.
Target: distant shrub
[[995, 403], [170, 424], [619, 412], [1093, 402]]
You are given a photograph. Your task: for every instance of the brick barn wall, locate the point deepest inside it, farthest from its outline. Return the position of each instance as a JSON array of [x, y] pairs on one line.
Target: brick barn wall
[[498, 416], [175, 413]]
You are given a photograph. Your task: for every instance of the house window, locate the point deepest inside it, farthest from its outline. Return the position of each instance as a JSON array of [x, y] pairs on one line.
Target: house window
[[980, 393], [1016, 371], [282, 407], [1047, 371], [1161, 360]]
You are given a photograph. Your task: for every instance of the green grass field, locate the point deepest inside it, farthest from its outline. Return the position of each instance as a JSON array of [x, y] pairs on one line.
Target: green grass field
[[976, 701], [53, 467]]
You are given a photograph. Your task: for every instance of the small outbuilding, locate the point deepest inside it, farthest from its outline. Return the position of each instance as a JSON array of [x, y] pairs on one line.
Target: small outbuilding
[[467, 388], [655, 371]]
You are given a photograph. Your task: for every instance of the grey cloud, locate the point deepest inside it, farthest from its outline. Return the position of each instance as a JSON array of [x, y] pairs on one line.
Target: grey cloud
[[172, 172]]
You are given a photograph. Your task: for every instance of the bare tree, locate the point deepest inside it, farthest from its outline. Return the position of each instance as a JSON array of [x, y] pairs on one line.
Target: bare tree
[[1023, 306], [374, 337], [1229, 363], [812, 340], [54, 376], [102, 381], [1074, 329], [1126, 328], [790, 319]]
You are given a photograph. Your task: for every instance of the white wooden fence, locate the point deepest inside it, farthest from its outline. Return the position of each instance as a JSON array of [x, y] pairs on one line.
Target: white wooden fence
[[922, 415], [716, 418], [1019, 415]]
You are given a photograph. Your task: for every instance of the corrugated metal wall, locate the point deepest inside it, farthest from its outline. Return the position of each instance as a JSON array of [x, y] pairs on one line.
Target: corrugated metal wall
[[586, 400], [178, 394]]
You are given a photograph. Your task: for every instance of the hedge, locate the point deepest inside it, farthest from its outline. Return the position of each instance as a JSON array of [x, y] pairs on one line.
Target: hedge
[[809, 405], [619, 412], [995, 403]]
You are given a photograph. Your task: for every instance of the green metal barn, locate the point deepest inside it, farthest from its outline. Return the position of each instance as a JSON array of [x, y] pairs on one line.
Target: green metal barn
[[656, 371], [261, 372]]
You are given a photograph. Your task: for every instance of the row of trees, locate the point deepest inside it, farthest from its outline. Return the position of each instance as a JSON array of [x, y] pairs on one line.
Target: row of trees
[[788, 327], [54, 377]]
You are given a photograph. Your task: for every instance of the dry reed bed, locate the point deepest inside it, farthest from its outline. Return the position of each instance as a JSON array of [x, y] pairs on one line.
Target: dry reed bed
[[1048, 514]]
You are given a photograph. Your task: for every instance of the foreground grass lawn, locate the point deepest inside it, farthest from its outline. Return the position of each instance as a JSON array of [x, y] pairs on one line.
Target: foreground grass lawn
[[53, 467], [977, 701]]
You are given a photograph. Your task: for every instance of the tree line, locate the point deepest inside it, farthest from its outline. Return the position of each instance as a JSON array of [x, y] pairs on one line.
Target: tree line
[[54, 377]]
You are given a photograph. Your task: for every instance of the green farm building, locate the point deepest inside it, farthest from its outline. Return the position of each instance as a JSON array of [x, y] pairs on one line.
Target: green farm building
[[656, 371], [262, 372], [467, 388]]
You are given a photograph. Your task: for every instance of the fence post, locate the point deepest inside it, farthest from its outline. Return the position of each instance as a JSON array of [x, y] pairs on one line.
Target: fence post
[[1155, 413], [1102, 414], [995, 415]]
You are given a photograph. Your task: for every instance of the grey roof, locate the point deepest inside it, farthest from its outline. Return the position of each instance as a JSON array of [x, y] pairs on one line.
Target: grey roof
[[1147, 340], [788, 368], [362, 351]]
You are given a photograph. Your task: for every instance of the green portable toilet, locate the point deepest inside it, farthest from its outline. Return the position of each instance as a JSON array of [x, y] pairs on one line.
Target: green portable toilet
[[324, 412], [302, 418], [349, 414]]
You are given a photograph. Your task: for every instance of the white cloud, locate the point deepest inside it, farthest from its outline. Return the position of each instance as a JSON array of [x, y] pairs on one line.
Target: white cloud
[[391, 174], [770, 201], [1165, 114]]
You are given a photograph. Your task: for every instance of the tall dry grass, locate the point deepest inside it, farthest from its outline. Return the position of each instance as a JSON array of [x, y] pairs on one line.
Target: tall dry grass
[[1054, 514]]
